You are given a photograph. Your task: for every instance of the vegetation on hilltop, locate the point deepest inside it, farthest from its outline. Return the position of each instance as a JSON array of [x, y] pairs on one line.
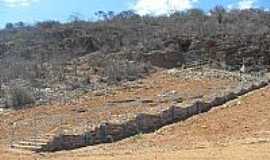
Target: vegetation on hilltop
[[70, 56]]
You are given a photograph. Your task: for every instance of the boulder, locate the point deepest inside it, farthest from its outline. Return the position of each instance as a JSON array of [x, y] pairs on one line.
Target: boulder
[[164, 58]]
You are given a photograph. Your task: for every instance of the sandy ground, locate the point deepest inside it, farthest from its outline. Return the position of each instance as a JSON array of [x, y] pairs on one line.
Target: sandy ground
[[239, 131], [93, 109], [259, 151]]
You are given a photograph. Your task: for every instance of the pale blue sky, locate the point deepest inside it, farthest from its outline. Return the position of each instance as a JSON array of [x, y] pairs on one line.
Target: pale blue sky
[[31, 11]]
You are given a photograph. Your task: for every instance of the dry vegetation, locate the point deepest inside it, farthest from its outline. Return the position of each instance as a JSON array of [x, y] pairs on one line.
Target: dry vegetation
[[59, 61], [83, 73], [238, 130]]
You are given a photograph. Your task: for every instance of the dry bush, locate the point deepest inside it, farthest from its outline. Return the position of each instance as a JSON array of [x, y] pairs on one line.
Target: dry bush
[[18, 97], [118, 70]]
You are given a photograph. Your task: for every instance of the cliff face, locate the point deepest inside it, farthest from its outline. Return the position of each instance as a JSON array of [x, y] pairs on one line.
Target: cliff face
[[230, 51], [251, 50]]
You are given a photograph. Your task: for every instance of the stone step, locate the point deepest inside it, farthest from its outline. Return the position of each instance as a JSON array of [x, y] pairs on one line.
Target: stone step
[[38, 140], [46, 138], [26, 147], [34, 143], [31, 143], [49, 135]]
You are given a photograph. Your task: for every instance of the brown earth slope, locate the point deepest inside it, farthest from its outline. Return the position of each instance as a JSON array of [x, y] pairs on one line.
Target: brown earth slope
[[157, 92], [239, 130]]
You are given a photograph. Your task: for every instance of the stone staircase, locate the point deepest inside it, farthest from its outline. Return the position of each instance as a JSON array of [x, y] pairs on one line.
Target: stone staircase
[[33, 144]]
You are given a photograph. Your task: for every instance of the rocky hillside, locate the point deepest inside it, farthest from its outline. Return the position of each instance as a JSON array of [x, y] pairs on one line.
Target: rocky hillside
[[51, 61]]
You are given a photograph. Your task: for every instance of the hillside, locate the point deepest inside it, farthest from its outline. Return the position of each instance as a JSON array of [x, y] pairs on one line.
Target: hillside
[[188, 85], [51, 61], [236, 130]]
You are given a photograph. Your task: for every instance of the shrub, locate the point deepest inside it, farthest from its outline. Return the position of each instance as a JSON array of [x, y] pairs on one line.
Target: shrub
[[18, 97], [119, 70]]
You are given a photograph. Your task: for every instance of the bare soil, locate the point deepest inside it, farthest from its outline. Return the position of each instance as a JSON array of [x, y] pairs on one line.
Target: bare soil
[[239, 130], [153, 94]]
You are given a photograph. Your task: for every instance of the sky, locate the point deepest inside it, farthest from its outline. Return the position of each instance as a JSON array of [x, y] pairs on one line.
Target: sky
[[32, 11]]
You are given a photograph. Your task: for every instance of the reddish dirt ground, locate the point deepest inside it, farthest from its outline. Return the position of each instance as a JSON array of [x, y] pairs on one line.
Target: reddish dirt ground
[[239, 130], [96, 108]]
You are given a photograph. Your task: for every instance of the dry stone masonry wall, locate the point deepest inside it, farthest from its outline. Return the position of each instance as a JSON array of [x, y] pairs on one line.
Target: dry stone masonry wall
[[145, 123]]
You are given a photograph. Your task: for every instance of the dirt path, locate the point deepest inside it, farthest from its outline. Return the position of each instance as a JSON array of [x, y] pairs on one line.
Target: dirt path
[[258, 151], [234, 152]]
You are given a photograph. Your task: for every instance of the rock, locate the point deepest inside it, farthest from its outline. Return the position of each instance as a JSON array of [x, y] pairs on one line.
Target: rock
[[122, 101], [164, 58], [147, 101], [178, 99], [173, 71], [99, 93], [80, 110]]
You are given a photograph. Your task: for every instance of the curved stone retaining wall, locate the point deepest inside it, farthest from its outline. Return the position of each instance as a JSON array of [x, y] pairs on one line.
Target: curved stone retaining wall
[[144, 123]]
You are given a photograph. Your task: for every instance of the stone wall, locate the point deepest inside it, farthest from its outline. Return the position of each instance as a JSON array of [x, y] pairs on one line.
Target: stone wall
[[164, 58], [145, 123]]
